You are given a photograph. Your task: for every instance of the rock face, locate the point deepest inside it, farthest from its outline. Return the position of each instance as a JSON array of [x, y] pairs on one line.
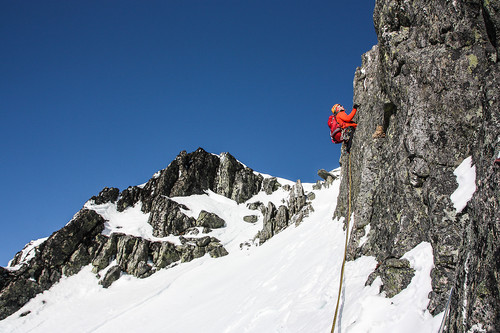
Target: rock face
[[64, 252], [429, 99], [277, 219]]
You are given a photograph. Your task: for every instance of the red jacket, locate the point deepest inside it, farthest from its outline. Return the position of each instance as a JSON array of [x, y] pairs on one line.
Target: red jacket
[[344, 120]]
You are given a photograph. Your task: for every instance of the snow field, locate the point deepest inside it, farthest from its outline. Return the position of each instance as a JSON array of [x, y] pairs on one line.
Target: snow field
[[289, 284]]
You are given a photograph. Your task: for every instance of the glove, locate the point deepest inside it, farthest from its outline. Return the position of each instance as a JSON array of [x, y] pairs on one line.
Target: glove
[[355, 106]]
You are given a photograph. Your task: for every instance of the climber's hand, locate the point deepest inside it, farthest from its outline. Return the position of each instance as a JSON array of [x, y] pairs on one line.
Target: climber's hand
[[355, 106]]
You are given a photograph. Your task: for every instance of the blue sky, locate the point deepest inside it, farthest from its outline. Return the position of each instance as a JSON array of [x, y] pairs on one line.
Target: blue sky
[[105, 93]]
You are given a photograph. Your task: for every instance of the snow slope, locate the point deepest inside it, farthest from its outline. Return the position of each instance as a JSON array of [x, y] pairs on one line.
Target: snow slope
[[288, 284]]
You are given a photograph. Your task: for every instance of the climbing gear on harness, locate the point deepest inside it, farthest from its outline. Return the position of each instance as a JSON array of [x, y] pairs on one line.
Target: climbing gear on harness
[[345, 249]]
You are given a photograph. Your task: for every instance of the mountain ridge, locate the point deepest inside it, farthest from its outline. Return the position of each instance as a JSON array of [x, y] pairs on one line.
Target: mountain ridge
[[173, 235]]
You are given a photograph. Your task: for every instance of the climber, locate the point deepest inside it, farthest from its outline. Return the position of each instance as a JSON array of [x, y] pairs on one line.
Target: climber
[[341, 125]]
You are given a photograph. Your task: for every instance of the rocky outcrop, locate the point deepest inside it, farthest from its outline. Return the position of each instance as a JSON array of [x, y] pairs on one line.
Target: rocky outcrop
[[200, 171], [111, 276], [277, 219], [429, 99], [167, 217], [106, 195], [128, 198], [81, 241], [209, 220], [396, 275], [64, 252]]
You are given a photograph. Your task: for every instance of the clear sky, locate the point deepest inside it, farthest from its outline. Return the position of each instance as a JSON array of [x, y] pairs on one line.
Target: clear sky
[[105, 93]]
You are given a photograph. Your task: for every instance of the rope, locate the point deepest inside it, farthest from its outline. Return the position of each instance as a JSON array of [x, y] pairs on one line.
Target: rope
[[345, 249], [446, 312]]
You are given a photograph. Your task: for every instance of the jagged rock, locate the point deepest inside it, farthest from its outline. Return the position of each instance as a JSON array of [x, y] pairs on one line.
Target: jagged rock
[[216, 250], [275, 220], [210, 220], [111, 276], [4, 277], [246, 185], [431, 84], [128, 198], [327, 176], [167, 218], [106, 195], [82, 229], [197, 172], [297, 199], [16, 294], [186, 251], [132, 255], [192, 231], [78, 259], [269, 185], [257, 206], [396, 275], [106, 252], [164, 254], [224, 182], [250, 218]]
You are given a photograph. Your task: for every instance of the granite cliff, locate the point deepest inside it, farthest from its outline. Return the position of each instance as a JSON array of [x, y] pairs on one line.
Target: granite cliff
[[429, 95]]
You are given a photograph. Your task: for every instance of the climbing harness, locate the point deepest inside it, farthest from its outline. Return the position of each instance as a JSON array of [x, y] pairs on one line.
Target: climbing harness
[[446, 312], [345, 249]]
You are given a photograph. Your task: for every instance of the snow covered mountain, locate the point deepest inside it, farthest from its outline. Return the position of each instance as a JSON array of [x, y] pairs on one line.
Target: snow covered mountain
[[284, 283], [210, 245]]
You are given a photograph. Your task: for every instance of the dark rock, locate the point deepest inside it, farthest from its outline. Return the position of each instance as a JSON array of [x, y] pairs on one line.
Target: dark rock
[[78, 259], [106, 195], [197, 173], [192, 231], [257, 206], [128, 198], [396, 275], [269, 185], [216, 250], [106, 253], [5, 277], [203, 241], [327, 176], [297, 199], [275, 220], [25, 313], [164, 254], [132, 255], [225, 179], [210, 220], [200, 171], [167, 218], [246, 185], [82, 229], [251, 218], [111, 276], [431, 84], [16, 294]]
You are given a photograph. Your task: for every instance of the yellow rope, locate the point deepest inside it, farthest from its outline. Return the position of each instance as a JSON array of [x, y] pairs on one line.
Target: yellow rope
[[345, 249]]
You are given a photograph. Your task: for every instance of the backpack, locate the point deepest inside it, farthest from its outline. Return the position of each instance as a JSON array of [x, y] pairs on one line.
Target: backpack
[[335, 130]]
